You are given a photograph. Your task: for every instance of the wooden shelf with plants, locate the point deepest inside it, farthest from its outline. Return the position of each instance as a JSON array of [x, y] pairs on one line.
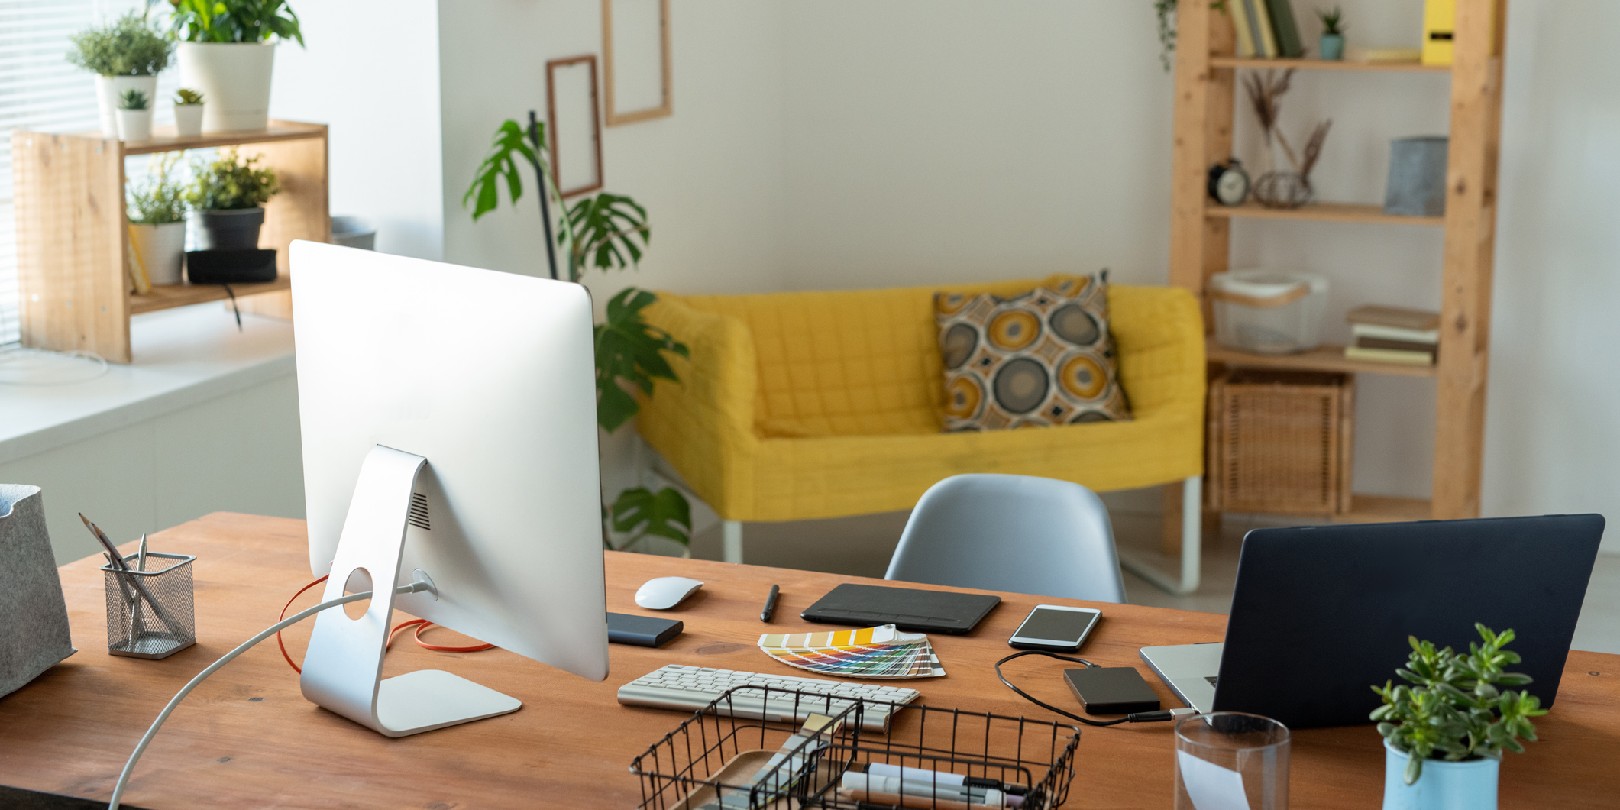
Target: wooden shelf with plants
[[73, 242], [1206, 79]]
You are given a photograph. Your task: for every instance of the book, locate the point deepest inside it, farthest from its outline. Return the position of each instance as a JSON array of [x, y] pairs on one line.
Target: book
[[1240, 22], [1397, 317], [1284, 26], [1391, 344], [1368, 330], [1388, 356], [1267, 43]]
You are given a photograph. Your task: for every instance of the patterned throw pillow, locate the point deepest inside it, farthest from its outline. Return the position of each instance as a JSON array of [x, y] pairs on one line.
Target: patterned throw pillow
[[1038, 359]]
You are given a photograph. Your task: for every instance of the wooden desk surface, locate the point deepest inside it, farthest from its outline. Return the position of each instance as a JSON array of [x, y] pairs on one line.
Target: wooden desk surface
[[246, 737]]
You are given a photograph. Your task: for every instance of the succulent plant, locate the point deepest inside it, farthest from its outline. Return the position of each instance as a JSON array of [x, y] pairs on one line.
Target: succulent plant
[[161, 198], [132, 99], [187, 97], [1331, 24], [1453, 709]]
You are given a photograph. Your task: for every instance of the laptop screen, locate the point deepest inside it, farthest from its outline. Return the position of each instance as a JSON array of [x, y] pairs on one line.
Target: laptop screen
[[1321, 614]]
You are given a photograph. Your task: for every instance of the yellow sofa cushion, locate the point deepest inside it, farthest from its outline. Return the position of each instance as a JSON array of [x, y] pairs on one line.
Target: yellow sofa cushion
[[824, 404]]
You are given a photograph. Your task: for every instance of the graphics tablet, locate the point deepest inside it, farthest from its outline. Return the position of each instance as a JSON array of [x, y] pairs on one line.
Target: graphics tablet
[[906, 608]]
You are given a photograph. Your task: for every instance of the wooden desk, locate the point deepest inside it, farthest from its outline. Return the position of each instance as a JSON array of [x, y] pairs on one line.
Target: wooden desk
[[247, 737]]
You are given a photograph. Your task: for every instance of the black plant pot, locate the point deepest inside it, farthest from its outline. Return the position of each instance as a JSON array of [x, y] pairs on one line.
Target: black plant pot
[[227, 230]]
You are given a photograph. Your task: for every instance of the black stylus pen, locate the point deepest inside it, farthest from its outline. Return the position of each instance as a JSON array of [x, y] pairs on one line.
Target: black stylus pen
[[770, 604]]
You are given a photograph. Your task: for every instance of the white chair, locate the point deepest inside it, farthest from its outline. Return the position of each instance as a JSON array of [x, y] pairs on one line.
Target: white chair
[[1011, 533]]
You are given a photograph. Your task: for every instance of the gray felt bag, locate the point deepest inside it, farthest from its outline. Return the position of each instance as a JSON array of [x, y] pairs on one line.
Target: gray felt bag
[[34, 630]]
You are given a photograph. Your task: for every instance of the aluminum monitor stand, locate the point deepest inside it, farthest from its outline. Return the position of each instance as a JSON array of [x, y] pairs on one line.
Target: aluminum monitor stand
[[343, 668]]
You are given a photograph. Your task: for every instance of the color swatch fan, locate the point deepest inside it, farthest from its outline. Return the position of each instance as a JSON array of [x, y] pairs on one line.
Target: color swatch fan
[[870, 652]]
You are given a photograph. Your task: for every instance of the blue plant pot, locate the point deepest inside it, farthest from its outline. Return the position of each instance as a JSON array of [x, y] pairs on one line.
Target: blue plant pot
[[1467, 785], [1332, 48]]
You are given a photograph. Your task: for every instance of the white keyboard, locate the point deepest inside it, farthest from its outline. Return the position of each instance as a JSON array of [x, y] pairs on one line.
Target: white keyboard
[[692, 688]]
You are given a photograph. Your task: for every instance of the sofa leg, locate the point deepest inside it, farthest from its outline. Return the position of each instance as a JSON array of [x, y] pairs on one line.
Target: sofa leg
[[731, 541], [1191, 553]]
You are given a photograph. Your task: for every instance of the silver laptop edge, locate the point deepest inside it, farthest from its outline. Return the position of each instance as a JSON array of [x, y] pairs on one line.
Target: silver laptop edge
[[1187, 670]]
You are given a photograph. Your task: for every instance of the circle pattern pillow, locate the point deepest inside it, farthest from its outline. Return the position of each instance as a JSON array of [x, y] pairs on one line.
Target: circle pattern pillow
[[1038, 359]]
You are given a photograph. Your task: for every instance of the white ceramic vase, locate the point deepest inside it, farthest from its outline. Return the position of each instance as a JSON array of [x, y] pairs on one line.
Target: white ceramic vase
[[1467, 785], [188, 120], [111, 88], [234, 78], [160, 249], [135, 125]]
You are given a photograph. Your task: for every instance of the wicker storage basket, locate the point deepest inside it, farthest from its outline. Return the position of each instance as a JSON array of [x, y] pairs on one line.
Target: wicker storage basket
[[1279, 442]]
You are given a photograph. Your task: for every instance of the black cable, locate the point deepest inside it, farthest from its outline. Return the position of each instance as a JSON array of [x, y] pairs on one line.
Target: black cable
[[1138, 717]]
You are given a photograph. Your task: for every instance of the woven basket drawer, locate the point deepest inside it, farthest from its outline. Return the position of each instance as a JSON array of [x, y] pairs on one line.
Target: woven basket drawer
[[1280, 442]]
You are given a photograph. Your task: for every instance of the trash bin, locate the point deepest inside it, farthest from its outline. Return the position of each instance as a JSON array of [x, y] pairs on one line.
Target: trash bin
[[354, 232]]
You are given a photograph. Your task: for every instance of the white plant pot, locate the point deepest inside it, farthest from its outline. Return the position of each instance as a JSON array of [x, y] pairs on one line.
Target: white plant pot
[[160, 249], [234, 78], [111, 88], [188, 120], [135, 125]]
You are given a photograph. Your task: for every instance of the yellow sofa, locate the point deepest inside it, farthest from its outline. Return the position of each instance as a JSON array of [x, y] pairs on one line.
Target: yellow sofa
[[826, 404]]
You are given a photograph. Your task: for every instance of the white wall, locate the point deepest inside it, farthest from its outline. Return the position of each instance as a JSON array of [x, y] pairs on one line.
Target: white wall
[[238, 453], [1552, 434], [710, 175], [371, 73]]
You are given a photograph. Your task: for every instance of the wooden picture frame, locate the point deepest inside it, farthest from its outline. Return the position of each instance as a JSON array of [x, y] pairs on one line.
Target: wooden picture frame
[[572, 108], [637, 29]]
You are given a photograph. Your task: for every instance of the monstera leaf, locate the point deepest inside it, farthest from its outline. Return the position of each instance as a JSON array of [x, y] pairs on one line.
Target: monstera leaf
[[629, 353]]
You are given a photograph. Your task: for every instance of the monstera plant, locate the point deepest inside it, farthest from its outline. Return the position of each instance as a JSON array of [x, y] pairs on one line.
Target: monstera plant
[[604, 232]]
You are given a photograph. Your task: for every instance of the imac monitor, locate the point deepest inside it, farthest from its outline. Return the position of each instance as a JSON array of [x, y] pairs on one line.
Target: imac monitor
[[449, 434]]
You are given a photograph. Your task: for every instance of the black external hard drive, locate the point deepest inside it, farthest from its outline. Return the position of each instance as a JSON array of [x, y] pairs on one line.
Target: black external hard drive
[[1111, 690], [641, 631]]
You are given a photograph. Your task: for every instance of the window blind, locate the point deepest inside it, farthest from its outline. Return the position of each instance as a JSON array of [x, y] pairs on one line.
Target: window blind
[[39, 90]]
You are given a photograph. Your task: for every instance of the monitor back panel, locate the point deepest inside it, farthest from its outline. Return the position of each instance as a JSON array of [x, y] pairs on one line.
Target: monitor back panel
[[1321, 614]]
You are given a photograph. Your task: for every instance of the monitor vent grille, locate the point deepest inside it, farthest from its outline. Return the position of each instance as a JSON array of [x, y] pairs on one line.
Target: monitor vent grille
[[418, 516]]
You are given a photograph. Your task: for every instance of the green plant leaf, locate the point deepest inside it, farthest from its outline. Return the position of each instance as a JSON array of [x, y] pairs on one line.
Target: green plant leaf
[[630, 353], [643, 513], [509, 145]]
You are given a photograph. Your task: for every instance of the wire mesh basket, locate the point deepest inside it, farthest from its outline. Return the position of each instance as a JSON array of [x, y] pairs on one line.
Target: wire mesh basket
[[150, 612], [951, 758]]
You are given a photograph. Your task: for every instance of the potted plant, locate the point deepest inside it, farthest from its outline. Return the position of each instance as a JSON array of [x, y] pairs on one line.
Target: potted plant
[[1332, 43], [606, 232], [157, 222], [227, 50], [226, 199], [188, 112], [125, 54], [134, 116], [1444, 734]]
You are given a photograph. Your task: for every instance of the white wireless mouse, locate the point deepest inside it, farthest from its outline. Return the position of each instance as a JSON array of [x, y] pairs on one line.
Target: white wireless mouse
[[664, 593]]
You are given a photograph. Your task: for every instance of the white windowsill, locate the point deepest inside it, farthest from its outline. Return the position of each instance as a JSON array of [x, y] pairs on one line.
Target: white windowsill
[[182, 357]]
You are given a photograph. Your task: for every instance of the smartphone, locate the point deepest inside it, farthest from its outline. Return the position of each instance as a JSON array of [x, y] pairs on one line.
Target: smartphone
[[1055, 627]]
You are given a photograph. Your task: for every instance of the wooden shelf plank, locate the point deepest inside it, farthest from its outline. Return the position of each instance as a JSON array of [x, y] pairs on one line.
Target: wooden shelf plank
[[164, 140], [1384, 509], [1234, 63], [169, 296], [1322, 358], [1322, 212]]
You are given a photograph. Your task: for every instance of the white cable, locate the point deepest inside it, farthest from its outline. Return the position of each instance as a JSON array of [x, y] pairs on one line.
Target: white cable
[[129, 767]]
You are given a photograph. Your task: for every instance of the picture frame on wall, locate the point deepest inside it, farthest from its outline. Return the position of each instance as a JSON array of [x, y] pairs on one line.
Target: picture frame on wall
[[636, 60], [573, 128]]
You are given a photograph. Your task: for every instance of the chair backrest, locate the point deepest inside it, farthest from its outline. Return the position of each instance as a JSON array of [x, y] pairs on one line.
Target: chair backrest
[[1012, 533]]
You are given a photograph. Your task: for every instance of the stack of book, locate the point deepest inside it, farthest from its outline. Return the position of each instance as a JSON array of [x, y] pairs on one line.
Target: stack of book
[[1266, 29], [1393, 335]]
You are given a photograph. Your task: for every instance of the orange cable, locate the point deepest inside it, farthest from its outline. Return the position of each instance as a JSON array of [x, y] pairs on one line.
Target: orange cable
[[419, 624]]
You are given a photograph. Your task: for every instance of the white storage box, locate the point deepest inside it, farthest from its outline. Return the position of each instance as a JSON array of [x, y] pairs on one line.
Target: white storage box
[[1267, 311]]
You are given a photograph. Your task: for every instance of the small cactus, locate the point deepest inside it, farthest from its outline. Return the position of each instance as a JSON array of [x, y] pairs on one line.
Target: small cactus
[[1331, 21], [132, 100], [186, 96]]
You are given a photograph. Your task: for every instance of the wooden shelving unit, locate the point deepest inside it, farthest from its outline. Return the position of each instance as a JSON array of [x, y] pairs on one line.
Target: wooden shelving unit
[[73, 242], [1206, 103]]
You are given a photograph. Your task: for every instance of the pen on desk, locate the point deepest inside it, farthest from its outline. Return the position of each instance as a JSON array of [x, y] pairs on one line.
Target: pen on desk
[[770, 604]]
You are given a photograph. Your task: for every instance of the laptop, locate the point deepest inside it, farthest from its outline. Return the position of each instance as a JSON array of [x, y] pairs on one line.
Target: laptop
[[906, 608], [1322, 613]]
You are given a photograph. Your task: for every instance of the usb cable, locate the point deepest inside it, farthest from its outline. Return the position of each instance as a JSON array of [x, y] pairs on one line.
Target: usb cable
[[1158, 715]]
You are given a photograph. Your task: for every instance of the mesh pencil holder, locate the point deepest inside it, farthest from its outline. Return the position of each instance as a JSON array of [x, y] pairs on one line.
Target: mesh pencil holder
[[150, 613]]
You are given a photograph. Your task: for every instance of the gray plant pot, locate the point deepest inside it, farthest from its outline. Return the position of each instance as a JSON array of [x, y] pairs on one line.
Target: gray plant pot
[[226, 230]]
